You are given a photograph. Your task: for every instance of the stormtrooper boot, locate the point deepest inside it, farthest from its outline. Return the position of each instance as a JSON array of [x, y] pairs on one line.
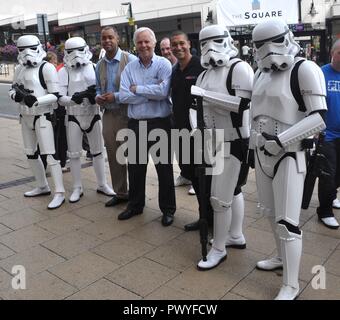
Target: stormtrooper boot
[[217, 253], [235, 238], [57, 201], [291, 255], [57, 176], [99, 169], [77, 193], [39, 174], [276, 262]]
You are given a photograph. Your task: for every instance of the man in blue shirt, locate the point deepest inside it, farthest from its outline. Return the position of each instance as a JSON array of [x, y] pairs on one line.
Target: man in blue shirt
[[108, 71], [145, 85], [331, 146]]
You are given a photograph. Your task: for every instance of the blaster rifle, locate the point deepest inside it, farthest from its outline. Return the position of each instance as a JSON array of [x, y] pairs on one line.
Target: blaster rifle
[[89, 93], [21, 92], [318, 166], [201, 173]]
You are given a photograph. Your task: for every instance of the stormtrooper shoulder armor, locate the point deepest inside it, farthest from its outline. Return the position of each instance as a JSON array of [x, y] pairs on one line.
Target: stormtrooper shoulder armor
[[200, 78], [63, 81], [242, 77], [311, 79], [312, 86], [51, 77]]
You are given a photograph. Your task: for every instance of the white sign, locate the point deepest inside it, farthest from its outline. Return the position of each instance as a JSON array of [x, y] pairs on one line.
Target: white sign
[[246, 12]]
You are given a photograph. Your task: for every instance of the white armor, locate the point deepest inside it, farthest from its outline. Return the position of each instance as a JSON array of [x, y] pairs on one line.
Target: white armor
[[81, 118], [218, 103], [77, 53], [279, 125], [275, 46], [36, 106]]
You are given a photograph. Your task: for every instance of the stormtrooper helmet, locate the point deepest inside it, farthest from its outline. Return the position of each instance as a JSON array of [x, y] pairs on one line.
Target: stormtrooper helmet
[[217, 46], [31, 52], [275, 46], [76, 53]]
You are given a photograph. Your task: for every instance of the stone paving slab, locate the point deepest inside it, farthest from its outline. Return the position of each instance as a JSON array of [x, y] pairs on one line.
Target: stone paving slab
[[83, 269], [104, 289], [142, 276], [81, 251]]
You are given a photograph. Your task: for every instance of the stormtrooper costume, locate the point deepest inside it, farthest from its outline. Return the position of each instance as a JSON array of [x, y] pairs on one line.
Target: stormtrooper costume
[[83, 114], [226, 90], [37, 98], [279, 125]]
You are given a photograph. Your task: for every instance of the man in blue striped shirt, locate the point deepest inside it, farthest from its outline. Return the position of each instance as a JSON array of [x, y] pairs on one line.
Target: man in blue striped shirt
[[145, 86]]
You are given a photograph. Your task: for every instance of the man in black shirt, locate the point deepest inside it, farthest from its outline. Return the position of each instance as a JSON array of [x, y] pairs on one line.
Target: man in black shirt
[[184, 75]]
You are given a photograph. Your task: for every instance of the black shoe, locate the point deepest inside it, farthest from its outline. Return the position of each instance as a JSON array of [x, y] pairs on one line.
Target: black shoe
[[167, 219], [114, 201], [192, 226], [128, 213]]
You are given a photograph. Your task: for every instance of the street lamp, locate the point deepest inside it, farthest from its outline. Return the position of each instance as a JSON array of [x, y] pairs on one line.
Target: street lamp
[[131, 22], [312, 10]]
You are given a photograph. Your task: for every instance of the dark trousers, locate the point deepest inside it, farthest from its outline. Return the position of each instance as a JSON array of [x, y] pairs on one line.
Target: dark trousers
[[60, 142], [189, 171], [60, 136], [328, 185], [137, 171]]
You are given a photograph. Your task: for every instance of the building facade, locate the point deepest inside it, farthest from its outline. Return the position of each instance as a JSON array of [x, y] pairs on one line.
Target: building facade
[[315, 23]]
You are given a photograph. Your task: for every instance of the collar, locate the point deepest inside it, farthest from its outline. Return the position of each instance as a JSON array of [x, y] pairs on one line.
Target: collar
[[151, 61], [117, 57]]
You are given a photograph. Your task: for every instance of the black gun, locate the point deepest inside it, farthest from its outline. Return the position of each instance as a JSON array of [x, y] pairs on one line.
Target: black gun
[[21, 92], [89, 93], [317, 166], [201, 173]]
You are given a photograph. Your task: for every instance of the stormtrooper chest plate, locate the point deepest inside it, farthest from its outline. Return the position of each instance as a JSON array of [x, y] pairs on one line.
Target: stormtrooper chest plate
[[30, 80], [272, 99], [80, 79], [215, 80]]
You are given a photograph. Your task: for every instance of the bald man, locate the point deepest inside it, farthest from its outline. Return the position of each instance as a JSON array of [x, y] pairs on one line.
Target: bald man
[[166, 51]]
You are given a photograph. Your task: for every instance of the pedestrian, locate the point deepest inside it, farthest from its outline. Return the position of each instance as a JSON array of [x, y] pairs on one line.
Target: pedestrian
[[108, 72], [184, 75], [327, 188], [166, 52], [145, 86]]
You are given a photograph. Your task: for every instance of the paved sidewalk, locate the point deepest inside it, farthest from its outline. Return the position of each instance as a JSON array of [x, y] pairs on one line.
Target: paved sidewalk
[[81, 251]]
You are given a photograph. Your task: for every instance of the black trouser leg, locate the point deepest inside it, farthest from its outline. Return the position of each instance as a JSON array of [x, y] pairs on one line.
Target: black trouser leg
[[328, 184], [188, 171], [137, 177], [166, 194]]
